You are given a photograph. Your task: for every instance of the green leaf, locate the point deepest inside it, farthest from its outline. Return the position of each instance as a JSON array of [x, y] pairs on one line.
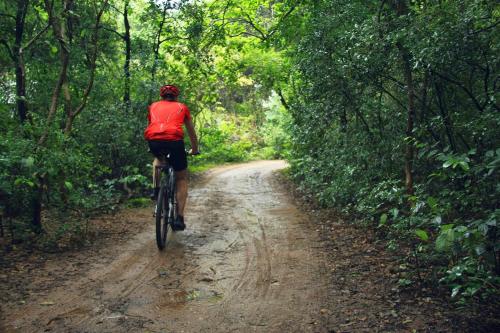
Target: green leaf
[[446, 227], [437, 220], [383, 220], [455, 291], [492, 222], [472, 290], [480, 249], [68, 185], [464, 165], [28, 162], [432, 202], [422, 234], [23, 181], [441, 243], [405, 282], [395, 213]]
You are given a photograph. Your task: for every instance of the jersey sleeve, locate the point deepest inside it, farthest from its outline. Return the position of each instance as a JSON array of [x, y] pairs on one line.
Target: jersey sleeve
[[149, 114], [187, 113]]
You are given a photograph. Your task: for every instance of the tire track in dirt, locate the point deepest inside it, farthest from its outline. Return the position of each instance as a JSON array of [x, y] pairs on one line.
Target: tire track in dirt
[[244, 264]]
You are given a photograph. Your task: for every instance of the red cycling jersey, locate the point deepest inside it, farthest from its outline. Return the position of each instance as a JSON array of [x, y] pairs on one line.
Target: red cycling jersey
[[165, 119]]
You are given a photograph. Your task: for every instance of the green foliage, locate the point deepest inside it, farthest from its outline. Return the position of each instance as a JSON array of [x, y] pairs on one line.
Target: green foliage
[[227, 139], [89, 155], [275, 131], [351, 141]]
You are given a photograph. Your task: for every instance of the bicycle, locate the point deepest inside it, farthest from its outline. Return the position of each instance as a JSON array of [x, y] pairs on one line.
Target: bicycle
[[166, 202]]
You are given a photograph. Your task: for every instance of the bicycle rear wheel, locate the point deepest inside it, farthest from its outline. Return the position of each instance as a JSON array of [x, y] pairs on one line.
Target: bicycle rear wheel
[[162, 217]]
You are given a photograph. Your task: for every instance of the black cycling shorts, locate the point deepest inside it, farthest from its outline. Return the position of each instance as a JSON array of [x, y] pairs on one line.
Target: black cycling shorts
[[176, 149]]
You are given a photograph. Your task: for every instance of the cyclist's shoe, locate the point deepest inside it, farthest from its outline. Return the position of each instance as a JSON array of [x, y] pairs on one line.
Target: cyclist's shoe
[[154, 194], [178, 224]]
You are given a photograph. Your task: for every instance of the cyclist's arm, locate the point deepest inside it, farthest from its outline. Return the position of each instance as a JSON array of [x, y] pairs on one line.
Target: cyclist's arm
[[192, 135]]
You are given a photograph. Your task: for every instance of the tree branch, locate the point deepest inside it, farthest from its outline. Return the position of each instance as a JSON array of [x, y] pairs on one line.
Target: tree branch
[[113, 30], [38, 35], [8, 15], [172, 37], [280, 21], [394, 98], [249, 21], [461, 86], [92, 65], [485, 29], [116, 8]]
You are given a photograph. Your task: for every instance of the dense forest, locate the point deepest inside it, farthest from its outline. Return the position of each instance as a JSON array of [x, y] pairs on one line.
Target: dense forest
[[387, 111]]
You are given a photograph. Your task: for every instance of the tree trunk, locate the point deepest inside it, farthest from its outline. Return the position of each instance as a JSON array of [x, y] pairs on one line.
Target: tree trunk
[[22, 106], [343, 120], [410, 118], [401, 9], [283, 100], [60, 33], [126, 66], [156, 50]]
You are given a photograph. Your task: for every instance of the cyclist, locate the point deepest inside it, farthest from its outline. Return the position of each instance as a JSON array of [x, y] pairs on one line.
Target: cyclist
[[164, 134]]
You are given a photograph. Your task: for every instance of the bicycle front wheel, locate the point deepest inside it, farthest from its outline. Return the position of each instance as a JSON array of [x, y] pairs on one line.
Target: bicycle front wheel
[[161, 212]]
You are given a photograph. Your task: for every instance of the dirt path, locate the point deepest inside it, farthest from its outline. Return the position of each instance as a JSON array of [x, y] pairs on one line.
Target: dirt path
[[253, 259], [244, 264]]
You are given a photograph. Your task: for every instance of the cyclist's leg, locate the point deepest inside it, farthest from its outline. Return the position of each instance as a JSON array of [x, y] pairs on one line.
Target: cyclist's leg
[[156, 148], [181, 184], [178, 161], [156, 171]]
